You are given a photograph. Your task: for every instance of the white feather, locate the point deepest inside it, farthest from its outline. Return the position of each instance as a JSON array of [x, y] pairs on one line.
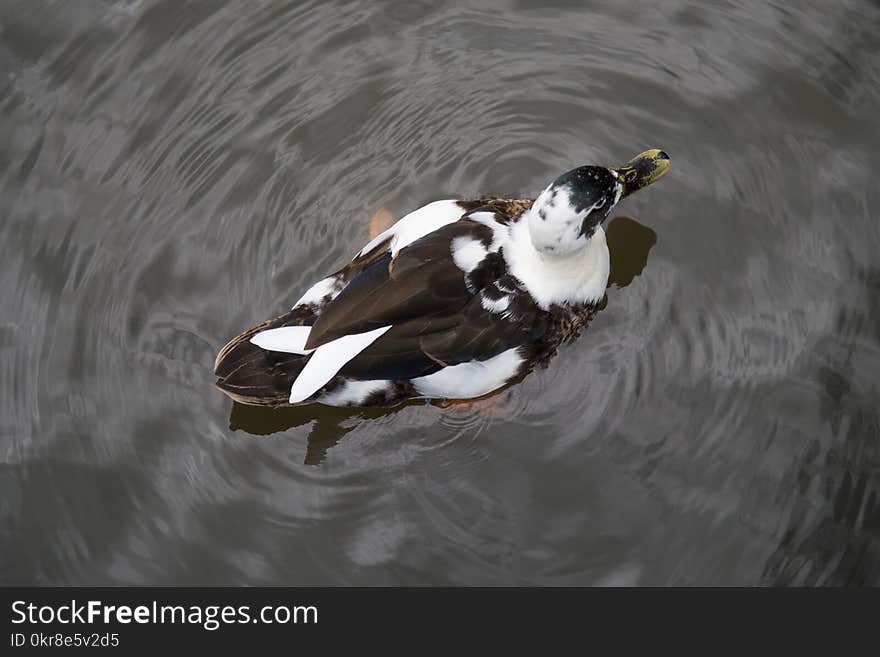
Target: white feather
[[469, 380], [287, 339], [467, 253], [484, 217], [500, 233], [577, 277], [555, 223], [328, 359], [417, 224], [496, 306], [353, 393], [330, 286]]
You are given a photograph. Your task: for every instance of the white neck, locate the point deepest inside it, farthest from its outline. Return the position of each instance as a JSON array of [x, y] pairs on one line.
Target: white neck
[[577, 277]]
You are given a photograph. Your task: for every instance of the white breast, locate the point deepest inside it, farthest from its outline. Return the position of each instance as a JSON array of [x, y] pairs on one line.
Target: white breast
[[578, 277]]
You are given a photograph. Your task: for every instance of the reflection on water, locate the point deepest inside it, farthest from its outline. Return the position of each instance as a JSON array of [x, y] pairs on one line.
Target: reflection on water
[[629, 243], [328, 424], [831, 535], [171, 172]]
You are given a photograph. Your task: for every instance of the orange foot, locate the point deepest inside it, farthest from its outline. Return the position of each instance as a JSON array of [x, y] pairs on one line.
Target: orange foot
[[380, 221], [495, 405]]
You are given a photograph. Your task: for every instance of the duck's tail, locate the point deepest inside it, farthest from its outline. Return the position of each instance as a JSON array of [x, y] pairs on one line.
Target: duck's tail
[[252, 375]]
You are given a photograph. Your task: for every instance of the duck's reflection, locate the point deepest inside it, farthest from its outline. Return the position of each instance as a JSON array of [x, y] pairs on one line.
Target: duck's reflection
[[629, 244]]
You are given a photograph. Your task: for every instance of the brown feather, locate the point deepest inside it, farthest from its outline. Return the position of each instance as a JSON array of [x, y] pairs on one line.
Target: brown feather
[[423, 281]]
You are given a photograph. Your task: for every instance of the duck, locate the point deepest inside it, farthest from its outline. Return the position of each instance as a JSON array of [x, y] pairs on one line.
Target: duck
[[455, 301]]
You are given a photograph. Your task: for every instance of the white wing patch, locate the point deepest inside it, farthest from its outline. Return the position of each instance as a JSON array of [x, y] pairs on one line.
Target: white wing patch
[[417, 224], [467, 253], [500, 232], [287, 339], [469, 380], [328, 359]]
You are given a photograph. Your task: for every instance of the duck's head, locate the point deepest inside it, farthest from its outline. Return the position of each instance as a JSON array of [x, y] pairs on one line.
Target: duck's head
[[565, 215]]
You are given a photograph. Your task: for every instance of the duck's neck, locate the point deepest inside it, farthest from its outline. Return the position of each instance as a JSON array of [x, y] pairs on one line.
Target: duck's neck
[[572, 278]]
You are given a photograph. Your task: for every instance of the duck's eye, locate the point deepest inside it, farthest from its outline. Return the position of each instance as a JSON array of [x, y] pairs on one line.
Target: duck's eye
[[630, 176]]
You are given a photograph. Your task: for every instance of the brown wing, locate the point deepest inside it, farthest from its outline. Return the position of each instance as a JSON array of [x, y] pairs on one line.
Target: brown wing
[[421, 281], [421, 346]]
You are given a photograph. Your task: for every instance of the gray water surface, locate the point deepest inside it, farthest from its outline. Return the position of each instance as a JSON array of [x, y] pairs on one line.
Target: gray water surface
[[173, 172]]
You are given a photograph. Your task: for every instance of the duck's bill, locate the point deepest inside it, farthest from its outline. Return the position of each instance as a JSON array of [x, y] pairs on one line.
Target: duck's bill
[[642, 170]]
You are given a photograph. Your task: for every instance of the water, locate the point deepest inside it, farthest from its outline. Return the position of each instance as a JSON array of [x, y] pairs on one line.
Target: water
[[171, 173]]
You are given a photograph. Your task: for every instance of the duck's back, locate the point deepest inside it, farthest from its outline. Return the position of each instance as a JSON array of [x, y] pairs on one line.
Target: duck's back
[[435, 315]]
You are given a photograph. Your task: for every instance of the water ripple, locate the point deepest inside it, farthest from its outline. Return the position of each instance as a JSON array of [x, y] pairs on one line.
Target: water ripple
[[173, 172]]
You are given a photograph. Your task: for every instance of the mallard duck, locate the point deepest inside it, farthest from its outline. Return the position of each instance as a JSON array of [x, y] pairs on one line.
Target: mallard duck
[[455, 301]]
